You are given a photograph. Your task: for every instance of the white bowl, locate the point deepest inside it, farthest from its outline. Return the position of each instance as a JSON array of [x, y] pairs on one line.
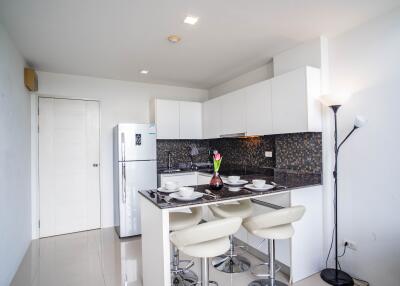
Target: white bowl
[[171, 185], [233, 179], [186, 192], [258, 183]]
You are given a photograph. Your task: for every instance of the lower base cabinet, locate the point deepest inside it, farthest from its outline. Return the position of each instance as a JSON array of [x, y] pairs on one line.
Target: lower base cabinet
[[182, 179]]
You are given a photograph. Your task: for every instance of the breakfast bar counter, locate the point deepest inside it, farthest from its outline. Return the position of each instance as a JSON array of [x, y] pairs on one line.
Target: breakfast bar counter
[[284, 181], [305, 247]]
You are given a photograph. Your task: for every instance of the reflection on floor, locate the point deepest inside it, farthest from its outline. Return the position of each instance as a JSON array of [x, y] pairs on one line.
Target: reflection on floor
[[100, 258]]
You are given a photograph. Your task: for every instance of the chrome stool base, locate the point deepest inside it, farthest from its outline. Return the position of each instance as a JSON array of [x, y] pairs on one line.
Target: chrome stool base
[[231, 264], [267, 282], [184, 278]]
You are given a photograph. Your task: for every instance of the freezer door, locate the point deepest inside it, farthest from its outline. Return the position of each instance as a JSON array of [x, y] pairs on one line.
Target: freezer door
[[135, 176], [137, 142]]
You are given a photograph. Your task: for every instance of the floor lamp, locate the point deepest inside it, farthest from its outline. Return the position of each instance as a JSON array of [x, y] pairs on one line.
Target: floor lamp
[[335, 276]]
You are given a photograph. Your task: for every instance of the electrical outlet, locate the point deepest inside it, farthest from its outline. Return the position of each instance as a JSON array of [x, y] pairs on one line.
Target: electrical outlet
[[268, 154], [350, 245]]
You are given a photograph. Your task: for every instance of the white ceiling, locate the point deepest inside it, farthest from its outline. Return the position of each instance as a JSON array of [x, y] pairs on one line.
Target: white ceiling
[[117, 38]]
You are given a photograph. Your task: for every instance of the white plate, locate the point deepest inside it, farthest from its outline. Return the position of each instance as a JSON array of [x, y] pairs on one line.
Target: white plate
[[165, 190], [234, 189], [263, 188], [238, 183], [195, 196]]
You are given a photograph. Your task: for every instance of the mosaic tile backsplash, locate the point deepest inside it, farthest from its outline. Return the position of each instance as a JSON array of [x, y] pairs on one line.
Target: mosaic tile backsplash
[[245, 151], [300, 151], [180, 152]]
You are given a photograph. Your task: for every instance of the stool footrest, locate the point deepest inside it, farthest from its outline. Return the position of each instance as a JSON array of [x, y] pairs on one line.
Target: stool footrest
[[254, 268], [184, 278], [209, 282]]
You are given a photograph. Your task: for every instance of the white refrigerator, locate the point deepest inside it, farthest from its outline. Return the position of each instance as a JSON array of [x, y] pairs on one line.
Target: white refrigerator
[[135, 168]]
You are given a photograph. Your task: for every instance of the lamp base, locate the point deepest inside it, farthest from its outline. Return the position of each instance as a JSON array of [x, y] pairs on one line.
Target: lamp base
[[336, 277]]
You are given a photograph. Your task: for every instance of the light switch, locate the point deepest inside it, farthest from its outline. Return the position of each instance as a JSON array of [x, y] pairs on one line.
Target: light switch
[[268, 154]]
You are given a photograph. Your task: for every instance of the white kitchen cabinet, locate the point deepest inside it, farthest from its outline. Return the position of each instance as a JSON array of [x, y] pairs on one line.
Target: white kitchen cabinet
[[166, 118], [183, 179], [203, 179], [233, 118], [295, 101], [177, 119], [285, 104], [259, 108], [190, 120], [212, 118]]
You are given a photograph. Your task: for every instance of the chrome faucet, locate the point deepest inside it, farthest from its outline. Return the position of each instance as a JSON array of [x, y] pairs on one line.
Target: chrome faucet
[[169, 161]]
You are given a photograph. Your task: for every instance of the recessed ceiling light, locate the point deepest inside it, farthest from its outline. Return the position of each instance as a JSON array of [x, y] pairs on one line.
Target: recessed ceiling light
[[174, 39], [144, 71], [191, 20]]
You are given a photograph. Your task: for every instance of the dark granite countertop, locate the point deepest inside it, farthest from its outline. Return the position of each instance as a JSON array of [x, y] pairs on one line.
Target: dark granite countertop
[[181, 170], [286, 180]]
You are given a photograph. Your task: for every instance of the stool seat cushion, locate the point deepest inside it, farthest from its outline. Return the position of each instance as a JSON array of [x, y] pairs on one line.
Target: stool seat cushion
[[241, 209], [276, 224], [210, 248], [205, 232], [182, 220], [279, 232]]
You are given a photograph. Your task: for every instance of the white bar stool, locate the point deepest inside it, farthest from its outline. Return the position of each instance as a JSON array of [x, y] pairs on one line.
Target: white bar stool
[[273, 225], [182, 276], [231, 262], [206, 240]]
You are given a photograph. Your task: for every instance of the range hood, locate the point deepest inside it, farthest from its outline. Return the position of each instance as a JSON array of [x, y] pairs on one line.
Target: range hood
[[238, 135]]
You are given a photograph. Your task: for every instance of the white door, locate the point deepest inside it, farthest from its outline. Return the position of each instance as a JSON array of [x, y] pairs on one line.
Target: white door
[[68, 166]]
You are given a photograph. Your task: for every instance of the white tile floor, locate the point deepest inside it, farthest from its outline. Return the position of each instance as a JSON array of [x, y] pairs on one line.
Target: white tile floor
[[100, 258]]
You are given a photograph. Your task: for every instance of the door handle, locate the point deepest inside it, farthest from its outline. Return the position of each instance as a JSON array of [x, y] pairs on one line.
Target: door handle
[[123, 183], [95, 165]]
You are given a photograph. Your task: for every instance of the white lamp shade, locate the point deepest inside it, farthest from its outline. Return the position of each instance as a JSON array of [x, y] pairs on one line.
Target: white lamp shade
[[334, 99], [360, 121]]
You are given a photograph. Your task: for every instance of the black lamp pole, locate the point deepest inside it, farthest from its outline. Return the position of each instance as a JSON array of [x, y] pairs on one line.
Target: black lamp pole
[[335, 276]]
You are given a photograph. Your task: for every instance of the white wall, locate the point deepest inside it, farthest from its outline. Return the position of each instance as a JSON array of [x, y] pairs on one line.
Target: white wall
[[121, 101], [366, 62], [307, 54], [15, 196], [257, 75]]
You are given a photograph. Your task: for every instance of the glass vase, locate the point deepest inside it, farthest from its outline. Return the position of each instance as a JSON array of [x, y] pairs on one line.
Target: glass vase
[[216, 183]]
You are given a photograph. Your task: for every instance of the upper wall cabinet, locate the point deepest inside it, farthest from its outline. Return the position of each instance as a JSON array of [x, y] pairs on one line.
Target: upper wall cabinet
[[259, 108], [177, 119], [233, 118], [295, 101], [166, 118], [212, 118], [190, 123]]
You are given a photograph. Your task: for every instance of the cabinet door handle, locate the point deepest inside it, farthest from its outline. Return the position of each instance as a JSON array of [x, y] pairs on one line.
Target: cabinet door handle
[[95, 165]]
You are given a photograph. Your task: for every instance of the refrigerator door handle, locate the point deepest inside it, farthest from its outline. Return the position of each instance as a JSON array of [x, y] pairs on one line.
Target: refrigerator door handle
[[123, 183], [123, 145]]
